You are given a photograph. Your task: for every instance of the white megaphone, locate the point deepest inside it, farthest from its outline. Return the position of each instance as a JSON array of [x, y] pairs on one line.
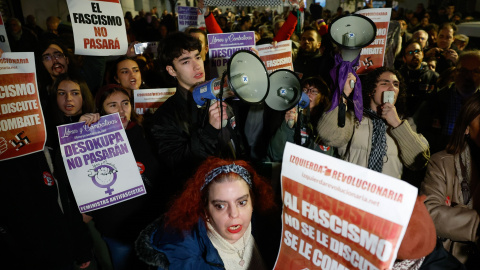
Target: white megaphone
[[285, 90], [246, 78], [351, 33]]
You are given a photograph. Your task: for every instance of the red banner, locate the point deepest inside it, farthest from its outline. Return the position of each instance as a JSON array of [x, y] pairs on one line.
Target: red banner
[[320, 231], [22, 126]]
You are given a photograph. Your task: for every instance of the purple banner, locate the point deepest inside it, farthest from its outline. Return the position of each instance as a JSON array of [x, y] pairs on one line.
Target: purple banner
[[187, 10], [216, 41], [188, 16], [223, 46], [110, 200], [79, 131]]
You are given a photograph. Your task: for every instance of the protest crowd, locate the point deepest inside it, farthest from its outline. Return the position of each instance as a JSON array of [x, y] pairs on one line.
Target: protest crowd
[[213, 198]]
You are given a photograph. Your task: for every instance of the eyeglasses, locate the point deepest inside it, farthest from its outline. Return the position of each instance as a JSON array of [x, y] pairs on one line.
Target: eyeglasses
[[311, 90], [414, 52], [50, 57]]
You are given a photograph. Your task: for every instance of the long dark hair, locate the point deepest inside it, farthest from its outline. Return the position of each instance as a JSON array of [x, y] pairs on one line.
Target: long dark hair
[[470, 110], [107, 90], [369, 84], [88, 106], [114, 66], [43, 76]]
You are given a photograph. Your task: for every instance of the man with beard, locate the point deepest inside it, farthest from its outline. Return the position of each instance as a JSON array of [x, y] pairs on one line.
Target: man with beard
[[53, 58], [436, 118], [311, 61], [420, 80]]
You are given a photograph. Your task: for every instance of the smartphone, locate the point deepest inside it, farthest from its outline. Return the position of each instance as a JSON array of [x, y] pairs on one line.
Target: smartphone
[[140, 47], [388, 96]]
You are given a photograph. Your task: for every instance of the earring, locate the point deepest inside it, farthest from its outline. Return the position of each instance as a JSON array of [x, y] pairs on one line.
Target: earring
[[467, 136]]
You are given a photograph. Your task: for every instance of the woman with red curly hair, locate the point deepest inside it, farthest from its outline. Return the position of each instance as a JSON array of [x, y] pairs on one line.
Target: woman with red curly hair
[[209, 224]]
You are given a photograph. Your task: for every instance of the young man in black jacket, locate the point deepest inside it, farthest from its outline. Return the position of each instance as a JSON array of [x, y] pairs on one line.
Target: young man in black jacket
[[185, 135]]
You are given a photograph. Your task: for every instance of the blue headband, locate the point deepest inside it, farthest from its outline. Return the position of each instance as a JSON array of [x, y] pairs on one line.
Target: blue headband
[[232, 168]]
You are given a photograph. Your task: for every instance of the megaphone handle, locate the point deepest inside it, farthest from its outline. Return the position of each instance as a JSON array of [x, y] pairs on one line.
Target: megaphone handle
[[297, 137], [341, 114], [213, 101]]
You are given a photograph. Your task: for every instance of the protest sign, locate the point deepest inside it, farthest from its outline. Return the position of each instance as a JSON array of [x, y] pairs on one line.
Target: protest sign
[[4, 45], [22, 125], [338, 215], [222, 46], [372, 56], [190, 16], [242, 3], [278, 57], [99, 162], [98, 27], [150, 99]]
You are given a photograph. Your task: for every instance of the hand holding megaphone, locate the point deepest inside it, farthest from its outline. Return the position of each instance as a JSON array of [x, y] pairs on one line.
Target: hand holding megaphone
[[291, 117], [217, 115], [349, 84]]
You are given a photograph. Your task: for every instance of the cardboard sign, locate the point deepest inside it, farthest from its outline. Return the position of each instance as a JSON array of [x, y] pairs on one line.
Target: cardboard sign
[[22, 125], [4, 45], [98, 27], [279, 57], [100, 164], [338, 215], [151, 99], [222, 46], [371, 57], [190, 16]]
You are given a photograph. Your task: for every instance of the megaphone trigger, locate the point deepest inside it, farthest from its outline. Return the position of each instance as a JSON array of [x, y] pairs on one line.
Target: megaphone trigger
[[290, 123]]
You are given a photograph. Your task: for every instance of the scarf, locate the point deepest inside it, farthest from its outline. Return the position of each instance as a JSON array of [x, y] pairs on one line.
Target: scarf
[[339, 75], [414, 264], [463, 169], [233, 254], [379, 144]]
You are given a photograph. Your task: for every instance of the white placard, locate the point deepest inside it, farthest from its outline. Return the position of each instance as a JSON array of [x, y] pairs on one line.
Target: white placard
[[99, 162], [98, 27]]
